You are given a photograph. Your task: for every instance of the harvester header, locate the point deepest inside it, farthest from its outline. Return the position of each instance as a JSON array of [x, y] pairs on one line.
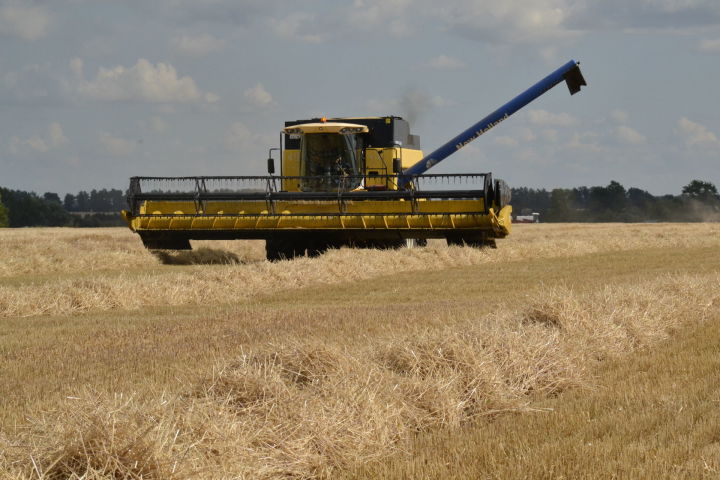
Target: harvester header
[[343, 181]]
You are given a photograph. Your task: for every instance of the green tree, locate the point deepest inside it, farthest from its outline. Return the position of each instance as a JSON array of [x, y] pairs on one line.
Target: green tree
[[69, 202], [52, 197], [699, 190], [4, 220], [561, 208], [82, 201], [26, 209]]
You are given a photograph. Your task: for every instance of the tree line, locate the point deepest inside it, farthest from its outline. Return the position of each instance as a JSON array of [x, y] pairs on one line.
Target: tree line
[[98, 208], [699, 201]]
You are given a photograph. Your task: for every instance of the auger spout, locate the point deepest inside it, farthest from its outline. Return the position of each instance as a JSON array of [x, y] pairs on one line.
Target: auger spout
[[570, 73]]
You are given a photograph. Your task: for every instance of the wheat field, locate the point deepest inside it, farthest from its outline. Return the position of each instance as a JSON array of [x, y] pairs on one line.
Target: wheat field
[[117, 363]]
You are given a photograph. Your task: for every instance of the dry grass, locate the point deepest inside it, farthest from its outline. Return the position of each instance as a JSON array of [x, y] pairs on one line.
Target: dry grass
[[305, 410], [107, 270], [316, 367], [654, 415]]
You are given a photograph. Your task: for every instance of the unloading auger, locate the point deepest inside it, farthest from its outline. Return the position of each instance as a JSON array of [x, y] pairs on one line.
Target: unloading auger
[[343, 181]]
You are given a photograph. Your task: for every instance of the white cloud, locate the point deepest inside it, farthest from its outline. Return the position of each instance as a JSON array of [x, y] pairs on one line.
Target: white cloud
[[155, 124], [445, 62], [143, 82], [116, 145], [258, 96], [527, 135], [549, 119], [629, 135], [38, 144], [541, 25], [158, 124], [239, 138], [18, 19], [506, 142], [298, 26], [197, 45], [585, 142], [32, 83], [57, 137], [54, 139], [620, 116], [710, 46], [550, 135], [76, 67], [394, 15], [696, 135], [510, 21], [645, 15]]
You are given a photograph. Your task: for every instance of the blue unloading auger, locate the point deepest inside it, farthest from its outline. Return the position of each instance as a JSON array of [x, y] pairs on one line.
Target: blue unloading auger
[[570, 73]]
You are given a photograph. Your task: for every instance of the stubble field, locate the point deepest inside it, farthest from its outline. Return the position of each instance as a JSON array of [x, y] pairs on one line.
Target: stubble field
[[115, 363]]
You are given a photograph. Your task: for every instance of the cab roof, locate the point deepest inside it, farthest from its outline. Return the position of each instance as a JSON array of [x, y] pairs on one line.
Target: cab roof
[[326, 127]]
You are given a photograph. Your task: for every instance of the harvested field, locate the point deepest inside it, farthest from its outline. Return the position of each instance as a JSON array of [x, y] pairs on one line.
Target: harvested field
[[217, 364], [101, 271]]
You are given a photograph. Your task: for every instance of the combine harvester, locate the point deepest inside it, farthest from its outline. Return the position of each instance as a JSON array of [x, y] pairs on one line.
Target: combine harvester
[[343, 181]]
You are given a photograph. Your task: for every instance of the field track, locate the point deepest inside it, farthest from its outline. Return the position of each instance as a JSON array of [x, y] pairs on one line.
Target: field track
[[118, 363]]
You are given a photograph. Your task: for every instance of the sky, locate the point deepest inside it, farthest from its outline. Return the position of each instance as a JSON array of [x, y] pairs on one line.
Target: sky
[[95, 91]]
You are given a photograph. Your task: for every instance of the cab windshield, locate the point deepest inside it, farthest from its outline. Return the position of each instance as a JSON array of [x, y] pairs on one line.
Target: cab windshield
[[330, 158]]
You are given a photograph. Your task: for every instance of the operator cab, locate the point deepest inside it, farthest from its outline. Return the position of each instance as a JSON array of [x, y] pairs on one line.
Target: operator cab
[[331, 158]]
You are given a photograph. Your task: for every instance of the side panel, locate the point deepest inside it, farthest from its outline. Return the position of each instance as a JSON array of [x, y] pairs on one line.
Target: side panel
[[379, 161], [291, 168]]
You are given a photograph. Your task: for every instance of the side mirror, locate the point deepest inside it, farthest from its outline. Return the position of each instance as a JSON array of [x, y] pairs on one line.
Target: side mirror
[[271, 166], [397, 165]]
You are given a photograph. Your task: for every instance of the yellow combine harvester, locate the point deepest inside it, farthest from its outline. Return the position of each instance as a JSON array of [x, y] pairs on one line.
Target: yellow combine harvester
[[343, 181]]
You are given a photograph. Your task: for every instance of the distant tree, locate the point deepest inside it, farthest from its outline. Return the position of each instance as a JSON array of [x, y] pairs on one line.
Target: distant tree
[[51, 197], [639, 198], [581, 198], [103, 219], [610, 198], [561, 208], [530, 200], [103, 200], [699, 190], [82, 201], [4, 220], [118, 200], [69, 203], [96, 201], [26, 209]]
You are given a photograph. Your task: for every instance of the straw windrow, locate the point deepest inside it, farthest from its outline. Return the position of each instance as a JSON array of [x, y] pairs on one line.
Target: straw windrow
[[304, 410]]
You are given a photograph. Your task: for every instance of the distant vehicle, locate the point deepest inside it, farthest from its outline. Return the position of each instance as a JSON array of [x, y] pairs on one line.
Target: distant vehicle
[[532, 218]]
